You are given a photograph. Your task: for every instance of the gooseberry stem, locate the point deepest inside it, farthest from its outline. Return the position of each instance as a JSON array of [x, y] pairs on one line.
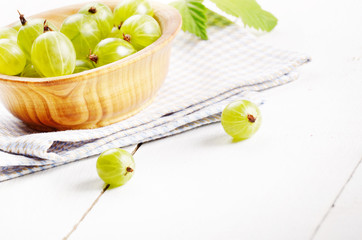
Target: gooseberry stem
[[22, 19], [127, 37], [93, 57], [46, 27], [92, 10]]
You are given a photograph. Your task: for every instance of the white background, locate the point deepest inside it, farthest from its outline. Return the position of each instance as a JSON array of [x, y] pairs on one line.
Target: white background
[[297, 178]]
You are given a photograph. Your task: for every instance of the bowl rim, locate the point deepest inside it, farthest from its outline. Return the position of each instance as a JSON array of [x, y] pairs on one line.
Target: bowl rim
[[169, 31]]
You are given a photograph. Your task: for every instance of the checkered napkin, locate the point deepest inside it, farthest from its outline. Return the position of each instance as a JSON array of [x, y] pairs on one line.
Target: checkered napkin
[[203, 77]]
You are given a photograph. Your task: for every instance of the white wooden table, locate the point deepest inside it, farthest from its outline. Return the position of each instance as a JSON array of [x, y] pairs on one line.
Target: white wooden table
[[299, 177]]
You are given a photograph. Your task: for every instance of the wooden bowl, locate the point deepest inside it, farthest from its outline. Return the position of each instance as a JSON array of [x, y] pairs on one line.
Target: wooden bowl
[[97, 97]]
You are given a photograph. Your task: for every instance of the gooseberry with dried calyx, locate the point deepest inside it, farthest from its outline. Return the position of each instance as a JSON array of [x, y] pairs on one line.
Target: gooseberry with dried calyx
[[102, 14], [141, 31], [241, 119], [29, 31], [115, 167], [110, 50]]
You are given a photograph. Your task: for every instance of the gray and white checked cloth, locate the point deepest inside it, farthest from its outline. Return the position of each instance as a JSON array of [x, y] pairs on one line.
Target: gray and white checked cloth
[[203, 77]]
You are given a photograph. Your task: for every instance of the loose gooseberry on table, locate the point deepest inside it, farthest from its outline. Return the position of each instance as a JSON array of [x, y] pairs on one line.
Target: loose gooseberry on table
[[241, 119], [115, 166]]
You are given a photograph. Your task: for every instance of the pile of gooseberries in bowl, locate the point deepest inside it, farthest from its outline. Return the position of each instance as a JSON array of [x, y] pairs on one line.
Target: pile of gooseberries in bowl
[[86, 66], [93, 37]]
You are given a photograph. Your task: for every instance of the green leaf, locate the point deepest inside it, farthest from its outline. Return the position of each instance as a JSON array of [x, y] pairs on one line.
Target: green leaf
[[215, 19], [250, 12], [194, 18]]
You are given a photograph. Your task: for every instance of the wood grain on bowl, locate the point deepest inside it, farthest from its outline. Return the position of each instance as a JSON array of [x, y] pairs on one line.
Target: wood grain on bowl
[[97, 97]]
